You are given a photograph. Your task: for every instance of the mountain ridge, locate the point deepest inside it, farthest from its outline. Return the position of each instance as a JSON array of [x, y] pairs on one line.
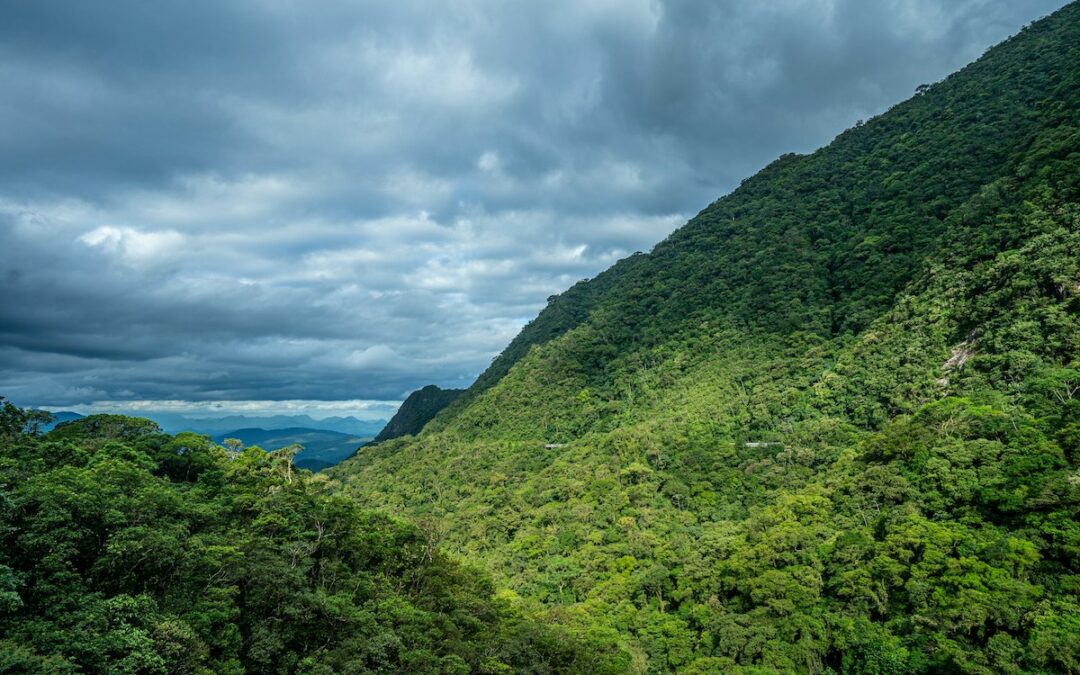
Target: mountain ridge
[[176, 423], [569, 309], [806, 415], [417, 410]]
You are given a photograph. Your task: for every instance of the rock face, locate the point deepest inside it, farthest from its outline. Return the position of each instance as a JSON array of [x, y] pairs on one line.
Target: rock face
[[416, 411]]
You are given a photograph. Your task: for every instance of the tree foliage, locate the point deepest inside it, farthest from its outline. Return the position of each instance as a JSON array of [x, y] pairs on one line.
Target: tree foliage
[[830, 425], [125, 550]]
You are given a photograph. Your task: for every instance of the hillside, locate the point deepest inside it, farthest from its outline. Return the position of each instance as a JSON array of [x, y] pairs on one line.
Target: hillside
[[416, 411], [322, 449], [126, 550], [832, 424]]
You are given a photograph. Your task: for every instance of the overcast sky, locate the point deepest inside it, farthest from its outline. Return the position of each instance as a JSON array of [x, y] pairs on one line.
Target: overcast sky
[[342, 201]]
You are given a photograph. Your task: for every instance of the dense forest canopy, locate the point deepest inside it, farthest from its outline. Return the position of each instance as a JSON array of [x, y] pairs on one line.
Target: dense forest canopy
[[124, 550], [831, 425]]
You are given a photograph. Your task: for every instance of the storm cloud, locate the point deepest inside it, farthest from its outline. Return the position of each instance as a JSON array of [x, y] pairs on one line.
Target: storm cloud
[[254, 200]]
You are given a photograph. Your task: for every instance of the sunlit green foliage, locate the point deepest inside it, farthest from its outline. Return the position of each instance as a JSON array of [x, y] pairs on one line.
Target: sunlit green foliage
[[124, 550], [831, 425]]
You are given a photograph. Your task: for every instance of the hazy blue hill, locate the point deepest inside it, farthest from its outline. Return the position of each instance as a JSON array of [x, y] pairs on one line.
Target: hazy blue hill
[[60, 417], [214, 426], [322, 448]]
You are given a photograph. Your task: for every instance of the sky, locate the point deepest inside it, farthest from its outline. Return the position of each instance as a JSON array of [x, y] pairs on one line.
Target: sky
[[241, 205]]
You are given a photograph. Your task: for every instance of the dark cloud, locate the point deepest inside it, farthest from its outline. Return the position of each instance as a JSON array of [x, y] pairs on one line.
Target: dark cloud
[[249, 201]]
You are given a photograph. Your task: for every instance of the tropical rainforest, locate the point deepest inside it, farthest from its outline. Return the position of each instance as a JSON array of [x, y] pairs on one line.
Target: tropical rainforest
[[124, 550], [831, 425]]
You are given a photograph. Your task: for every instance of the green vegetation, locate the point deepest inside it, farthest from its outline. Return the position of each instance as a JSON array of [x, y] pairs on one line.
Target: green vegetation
[[830, 425], [416, 411], [125, 550]]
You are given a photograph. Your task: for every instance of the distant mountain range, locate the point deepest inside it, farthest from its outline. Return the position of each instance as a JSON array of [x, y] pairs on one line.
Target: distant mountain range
[[322, 448], [213, 426], [418, 409], [58, 417], [326, 442], [172, 423]]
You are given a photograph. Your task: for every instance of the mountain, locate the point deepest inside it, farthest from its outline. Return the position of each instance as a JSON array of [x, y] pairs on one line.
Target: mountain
[[322, 449], [214, 426], [416, 411], [832, 424], [60, 417]]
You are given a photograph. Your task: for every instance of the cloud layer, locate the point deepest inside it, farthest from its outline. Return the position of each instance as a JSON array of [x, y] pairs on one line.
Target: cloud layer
[[253, 200]]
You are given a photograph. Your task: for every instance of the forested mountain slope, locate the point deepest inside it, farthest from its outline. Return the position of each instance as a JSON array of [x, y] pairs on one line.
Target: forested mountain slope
[[831, 424], [124, 550], [416, 411]]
